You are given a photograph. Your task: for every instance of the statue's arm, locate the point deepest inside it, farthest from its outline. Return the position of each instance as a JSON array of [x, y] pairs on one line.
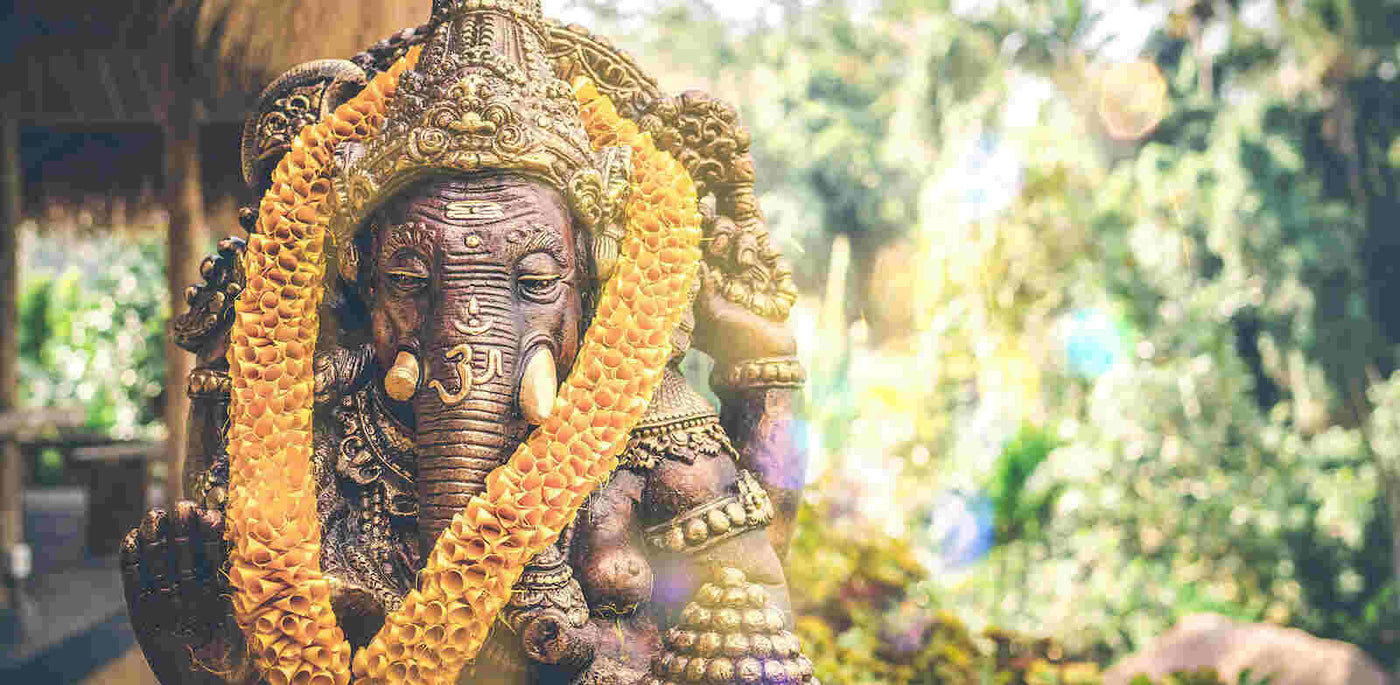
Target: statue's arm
[[727, 607], [708, 514], [172, 565], [757, 378], [770, 444]]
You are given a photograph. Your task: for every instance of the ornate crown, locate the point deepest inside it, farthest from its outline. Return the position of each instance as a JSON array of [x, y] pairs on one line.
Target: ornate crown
[[483, 96]]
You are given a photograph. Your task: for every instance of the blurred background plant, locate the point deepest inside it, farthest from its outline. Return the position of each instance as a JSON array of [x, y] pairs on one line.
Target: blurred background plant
[[1102, 290], [92, 314]]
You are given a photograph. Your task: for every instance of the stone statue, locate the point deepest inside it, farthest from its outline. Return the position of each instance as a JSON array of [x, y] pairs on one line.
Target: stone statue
[[476, 252]]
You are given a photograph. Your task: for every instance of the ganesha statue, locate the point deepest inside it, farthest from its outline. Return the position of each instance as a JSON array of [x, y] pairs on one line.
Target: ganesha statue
[[439, 429]]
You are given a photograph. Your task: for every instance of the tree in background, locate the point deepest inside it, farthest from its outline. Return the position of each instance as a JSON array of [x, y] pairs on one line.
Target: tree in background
[[92, 329], [1192, 299], [1224, 461]]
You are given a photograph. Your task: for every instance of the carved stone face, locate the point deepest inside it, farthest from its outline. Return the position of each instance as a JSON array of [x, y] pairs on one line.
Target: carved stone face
[[476, 311]]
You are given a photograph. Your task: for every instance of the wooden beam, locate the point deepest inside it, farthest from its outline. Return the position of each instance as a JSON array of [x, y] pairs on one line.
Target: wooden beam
[[116, 451], [185, 241], [11, 464], [16, 423]]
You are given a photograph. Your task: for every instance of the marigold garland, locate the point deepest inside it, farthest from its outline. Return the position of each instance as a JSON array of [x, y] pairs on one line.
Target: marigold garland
[[281, 600]]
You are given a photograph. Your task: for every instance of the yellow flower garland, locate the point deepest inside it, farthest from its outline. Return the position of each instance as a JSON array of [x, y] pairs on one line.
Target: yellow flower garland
[[281, 600]]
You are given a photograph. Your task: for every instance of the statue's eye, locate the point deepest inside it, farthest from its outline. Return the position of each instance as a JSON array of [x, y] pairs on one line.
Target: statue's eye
[[407, 281], [539, 287]]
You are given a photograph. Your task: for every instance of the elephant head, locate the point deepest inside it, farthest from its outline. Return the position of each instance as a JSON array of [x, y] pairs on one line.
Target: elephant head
[[476, 287], [466, 223]]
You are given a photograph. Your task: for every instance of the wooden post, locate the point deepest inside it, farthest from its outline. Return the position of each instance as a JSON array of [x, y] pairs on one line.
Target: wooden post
[[185, 239], [11, 465]]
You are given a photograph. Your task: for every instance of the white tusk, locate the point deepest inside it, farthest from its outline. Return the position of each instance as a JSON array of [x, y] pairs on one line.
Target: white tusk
[[402, 380], [538, 386]]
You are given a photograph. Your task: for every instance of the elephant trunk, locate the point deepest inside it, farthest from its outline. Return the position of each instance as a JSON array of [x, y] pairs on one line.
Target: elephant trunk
[[467, 417]]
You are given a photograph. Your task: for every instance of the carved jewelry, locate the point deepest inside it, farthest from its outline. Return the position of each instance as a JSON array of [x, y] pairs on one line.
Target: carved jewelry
[[474, 209], [770, 372], [714, 522], [685, 440], [731, 632], [208, 384]]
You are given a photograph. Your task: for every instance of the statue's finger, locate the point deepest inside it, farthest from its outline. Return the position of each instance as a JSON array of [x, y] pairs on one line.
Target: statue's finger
[[131, 564], [155, 533], [709, 280], [211, 539], [130, 550], [709, 298], [184, 525]]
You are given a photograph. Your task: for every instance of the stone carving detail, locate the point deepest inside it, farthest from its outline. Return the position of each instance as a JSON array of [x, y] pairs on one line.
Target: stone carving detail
[[375, 467], [288, 115], [714, 522], [685, 441], [776, 372], [731, 633], [295, 100], [576, 52], [547, 584], [211, 303], [208, 384], [471, 109], [705, 134]]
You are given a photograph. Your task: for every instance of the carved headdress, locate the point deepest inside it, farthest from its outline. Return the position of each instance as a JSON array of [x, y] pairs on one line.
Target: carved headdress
[[482, 96]]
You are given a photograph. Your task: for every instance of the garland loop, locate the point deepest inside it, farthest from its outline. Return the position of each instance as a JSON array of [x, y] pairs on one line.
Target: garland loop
[[281, 599]]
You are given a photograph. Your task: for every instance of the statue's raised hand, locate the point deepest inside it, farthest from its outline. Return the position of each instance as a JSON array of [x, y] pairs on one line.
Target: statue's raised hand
[[175, 594], [731, 332]]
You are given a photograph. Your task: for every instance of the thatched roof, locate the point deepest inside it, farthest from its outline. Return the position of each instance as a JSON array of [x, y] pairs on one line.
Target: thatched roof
[[262, 38], [95, 78], [115, 170], [105, 63], [119, 62]]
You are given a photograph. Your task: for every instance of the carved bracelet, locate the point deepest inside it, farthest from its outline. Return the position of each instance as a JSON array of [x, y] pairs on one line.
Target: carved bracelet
[[766, 372], [715, 521]]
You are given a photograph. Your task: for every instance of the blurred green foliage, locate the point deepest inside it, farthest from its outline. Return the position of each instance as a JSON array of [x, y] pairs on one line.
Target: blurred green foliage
[[1019, 513], [49, 469], [1204, 676], [866, 617], [92, 330], [1224, 466], [1241, 249]]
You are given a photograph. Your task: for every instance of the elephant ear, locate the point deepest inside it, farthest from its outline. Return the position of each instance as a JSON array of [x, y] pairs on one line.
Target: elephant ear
[[614, 190], [296, 99], [302, 96]]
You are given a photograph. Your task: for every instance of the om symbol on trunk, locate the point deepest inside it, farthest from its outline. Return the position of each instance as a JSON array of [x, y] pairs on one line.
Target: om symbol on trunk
[[461, 356]]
